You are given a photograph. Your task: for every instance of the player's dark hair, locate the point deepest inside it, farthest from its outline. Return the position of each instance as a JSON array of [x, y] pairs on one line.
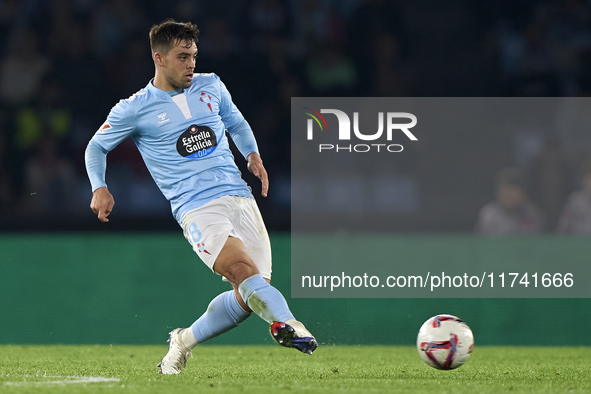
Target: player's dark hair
[[165, 36]]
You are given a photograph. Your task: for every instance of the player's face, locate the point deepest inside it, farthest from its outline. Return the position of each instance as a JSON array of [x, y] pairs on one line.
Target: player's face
[[179, 65]]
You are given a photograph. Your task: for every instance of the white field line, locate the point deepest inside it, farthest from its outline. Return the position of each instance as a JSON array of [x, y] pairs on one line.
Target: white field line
[[66, 380]]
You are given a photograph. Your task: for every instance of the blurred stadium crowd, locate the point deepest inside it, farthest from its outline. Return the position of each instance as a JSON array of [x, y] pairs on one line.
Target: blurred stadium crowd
[[65, 63]]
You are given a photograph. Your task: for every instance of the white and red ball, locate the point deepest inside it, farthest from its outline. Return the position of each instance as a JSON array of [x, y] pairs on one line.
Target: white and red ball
[[445, 342]]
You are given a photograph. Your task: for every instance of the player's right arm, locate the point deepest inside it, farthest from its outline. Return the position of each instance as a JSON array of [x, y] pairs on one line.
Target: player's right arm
[[117, 127], [102, 203]]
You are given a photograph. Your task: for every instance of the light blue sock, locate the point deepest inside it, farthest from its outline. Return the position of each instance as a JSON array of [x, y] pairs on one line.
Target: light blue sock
[[265, 300], [223, 313]]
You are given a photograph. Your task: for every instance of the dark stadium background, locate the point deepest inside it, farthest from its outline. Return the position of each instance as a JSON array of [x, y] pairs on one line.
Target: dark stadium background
[[65, 63]]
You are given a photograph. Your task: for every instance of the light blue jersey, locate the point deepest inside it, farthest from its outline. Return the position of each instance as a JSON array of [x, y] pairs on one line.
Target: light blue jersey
[[182, 141]]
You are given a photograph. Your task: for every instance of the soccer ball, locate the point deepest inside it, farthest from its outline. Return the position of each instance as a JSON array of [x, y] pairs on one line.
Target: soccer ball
[[445, 342]]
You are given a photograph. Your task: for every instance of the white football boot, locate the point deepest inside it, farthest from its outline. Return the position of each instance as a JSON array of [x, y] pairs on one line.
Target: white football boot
[[176, 358]]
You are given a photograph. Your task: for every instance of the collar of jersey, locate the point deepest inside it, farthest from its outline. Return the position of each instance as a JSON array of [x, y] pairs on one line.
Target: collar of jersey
[[158, 92]]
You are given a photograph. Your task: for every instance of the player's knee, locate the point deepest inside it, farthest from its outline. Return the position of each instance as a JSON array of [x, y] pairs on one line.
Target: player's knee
[[240, 270]]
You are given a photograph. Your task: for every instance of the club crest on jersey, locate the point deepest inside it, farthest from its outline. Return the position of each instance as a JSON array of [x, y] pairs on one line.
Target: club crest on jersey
[[201, 248], [206, 98], [196, 142]]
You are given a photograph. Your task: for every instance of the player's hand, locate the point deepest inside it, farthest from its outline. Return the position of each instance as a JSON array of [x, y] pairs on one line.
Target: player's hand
[[102, 203], [255, 165]]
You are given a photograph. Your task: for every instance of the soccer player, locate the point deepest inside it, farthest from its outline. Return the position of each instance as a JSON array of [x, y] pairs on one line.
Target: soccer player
[[178, 123]]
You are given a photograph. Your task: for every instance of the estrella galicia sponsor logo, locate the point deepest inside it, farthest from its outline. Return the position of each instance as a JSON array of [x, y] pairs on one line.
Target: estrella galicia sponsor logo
[[394, 123], [196, 142]]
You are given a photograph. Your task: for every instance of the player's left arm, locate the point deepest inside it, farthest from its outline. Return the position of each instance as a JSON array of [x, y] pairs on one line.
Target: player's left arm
[[255, 165], [242, 135]]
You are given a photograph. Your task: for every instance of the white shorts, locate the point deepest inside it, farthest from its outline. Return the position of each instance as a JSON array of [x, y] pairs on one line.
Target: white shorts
[[208, 227]]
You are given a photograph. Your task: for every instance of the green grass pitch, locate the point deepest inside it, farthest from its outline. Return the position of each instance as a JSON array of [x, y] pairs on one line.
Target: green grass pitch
[[272, 369]]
